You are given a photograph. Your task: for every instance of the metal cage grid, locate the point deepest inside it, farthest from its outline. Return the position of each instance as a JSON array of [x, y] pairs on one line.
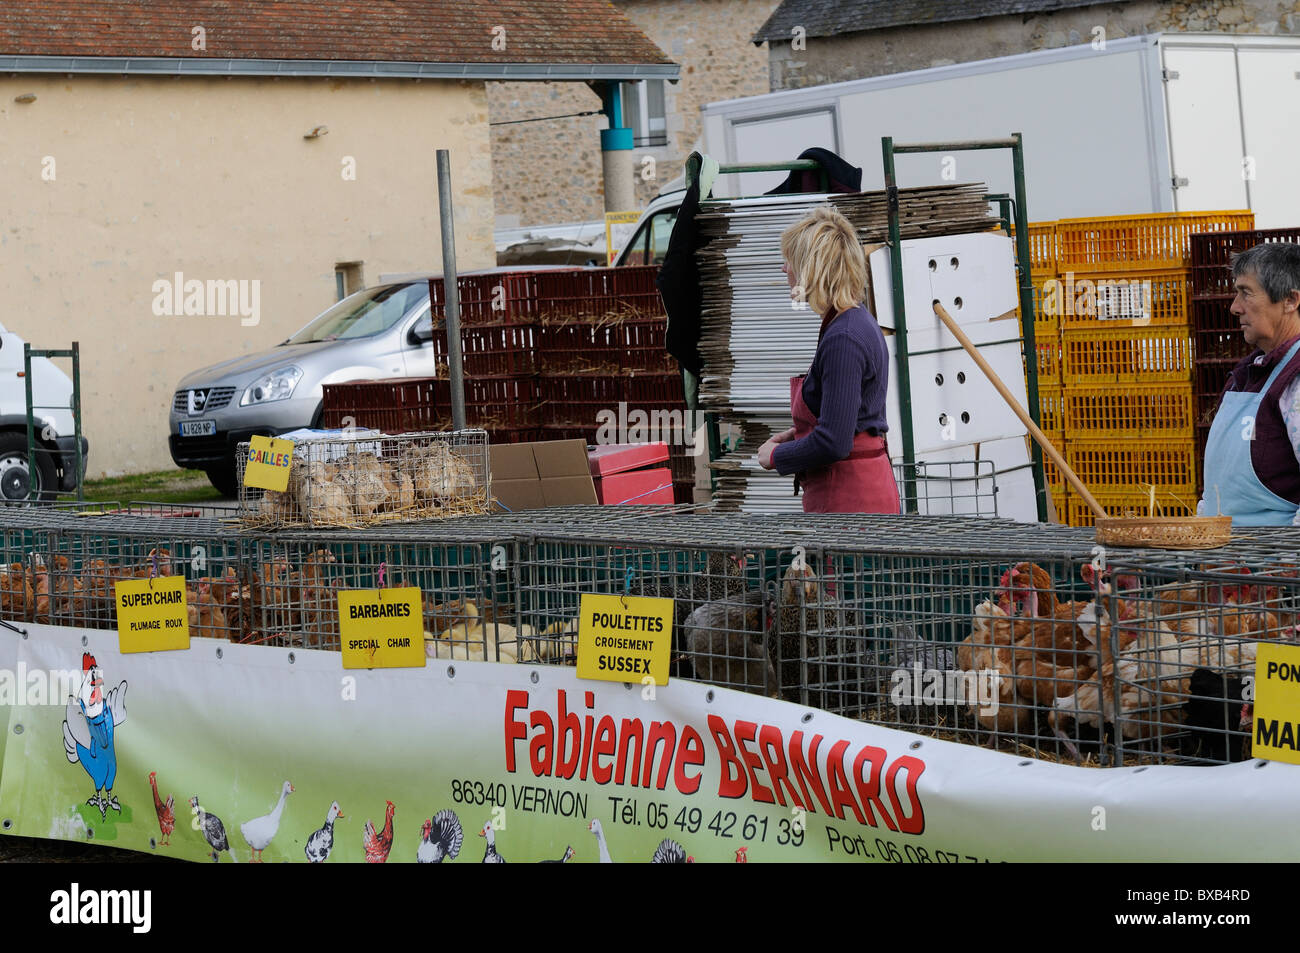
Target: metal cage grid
[[1024, 637], [368, 479]]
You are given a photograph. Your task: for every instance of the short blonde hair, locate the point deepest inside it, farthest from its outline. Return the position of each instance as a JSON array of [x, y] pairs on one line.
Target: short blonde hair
[[827, 260]]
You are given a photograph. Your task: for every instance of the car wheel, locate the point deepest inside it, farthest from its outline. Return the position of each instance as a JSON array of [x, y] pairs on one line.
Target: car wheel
[[16, 485], [224, 481]]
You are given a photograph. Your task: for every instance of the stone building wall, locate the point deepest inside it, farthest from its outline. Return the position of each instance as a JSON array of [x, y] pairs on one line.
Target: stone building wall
[[859, 55], [550, 171]]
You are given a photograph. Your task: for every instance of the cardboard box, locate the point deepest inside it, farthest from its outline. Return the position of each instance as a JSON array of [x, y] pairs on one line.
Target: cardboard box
[[528, 476]]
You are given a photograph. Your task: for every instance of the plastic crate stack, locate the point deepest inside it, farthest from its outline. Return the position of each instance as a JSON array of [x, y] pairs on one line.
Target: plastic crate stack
[[1125, 399], [543, 353], [1219, 343], [1047, 345], [600, 348]]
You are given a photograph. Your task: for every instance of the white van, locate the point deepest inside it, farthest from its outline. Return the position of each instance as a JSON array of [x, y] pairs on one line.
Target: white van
[[56, 449]]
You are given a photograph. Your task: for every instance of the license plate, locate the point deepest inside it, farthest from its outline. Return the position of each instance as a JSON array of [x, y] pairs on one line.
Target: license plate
[[198, 428]]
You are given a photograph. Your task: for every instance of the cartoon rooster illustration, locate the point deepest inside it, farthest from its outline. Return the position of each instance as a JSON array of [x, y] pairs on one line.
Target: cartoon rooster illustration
[[88, 732], [379, 843], [165, 810]]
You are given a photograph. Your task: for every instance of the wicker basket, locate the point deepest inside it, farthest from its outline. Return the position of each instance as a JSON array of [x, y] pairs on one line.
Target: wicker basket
[[1165, 532]]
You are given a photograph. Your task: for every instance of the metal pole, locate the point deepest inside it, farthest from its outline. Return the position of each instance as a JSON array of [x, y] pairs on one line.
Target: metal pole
[[1027, 317], [76, 414], [450, 292], [900, 328], [31, 424]]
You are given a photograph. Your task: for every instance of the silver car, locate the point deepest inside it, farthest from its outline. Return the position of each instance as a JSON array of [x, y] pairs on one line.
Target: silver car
[[380, 332]]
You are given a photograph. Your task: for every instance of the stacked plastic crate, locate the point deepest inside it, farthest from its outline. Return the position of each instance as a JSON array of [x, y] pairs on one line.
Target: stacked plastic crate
[[1047, 345], [1122, 295], [1216, 331], [602, 363]]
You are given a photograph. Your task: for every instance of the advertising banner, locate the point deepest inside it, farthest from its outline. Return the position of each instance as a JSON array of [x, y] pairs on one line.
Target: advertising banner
[[250, 752]]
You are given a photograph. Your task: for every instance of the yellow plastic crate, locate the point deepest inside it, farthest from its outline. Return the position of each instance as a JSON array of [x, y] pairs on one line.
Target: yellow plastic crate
[[1047, 345], [1042, 246], [1141, 242], [1098, 299], [1130, 410], [1130, 504], [1051, 410], [1128, 464], [1095, 356]]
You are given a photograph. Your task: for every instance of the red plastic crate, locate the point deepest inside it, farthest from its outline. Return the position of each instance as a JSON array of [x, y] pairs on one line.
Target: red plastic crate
[[663, 390], [575, 401], [636, 487], [508, 351], [643, 346], [398, 405], [1211, 267], [492, 299], [576, 347], [509, 403]]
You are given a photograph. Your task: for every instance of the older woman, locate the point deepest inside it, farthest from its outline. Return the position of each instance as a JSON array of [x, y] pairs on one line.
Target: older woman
[[837, 445], [1252, 456]]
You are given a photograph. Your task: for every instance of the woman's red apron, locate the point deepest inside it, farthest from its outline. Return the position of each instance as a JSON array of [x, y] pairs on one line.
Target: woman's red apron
[[863, 482]]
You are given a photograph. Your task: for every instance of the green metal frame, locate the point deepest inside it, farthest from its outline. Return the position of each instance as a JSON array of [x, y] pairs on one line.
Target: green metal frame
[[889, 149], [75, 353]]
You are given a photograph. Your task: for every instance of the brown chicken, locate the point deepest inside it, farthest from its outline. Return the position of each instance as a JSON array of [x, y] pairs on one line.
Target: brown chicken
[[207, 618], [17, 596]]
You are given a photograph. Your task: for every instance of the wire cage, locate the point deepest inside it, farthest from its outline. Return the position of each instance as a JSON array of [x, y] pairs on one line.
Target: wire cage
[[66, 573], [366, 479], [465, 583]]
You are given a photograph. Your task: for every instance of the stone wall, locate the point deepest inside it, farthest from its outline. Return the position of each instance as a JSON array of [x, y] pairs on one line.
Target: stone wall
[[550, 171], [855, 56]]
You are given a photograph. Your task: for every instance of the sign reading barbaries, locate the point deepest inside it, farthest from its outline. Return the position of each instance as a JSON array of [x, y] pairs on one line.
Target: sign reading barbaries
[[1276, 734], [625, 638], [152, 614], [382, 628]]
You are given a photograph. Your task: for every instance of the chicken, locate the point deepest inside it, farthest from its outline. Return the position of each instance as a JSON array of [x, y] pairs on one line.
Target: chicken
[[165, 810], [1137, 680], [807, 617], [17, 597], [377, 844], [97, 587], [671, 852], [1047, 627], [207, 618], [989, 649], [318, 598], [66, 601], [277, 606], [725, 642], [477, 641], [213, 831], [568, 856]]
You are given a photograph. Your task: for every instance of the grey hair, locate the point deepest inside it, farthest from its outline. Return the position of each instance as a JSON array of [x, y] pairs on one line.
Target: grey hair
[[1275, 265]]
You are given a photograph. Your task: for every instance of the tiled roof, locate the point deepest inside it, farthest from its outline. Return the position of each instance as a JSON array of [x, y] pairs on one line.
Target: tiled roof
[[405, 31], [834, 17]]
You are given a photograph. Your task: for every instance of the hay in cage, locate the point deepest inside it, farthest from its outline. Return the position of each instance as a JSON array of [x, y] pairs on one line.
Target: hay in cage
[[374, 479]]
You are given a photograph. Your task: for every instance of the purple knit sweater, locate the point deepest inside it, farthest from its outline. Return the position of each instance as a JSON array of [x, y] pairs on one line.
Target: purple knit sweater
[[845, 388]]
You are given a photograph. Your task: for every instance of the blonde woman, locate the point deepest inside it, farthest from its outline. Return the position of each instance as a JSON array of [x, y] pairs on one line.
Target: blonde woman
[[837, 445]]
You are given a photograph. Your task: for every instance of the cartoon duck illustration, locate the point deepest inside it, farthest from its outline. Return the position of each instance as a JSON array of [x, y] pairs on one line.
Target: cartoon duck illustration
[[321, 842], [88, 728]]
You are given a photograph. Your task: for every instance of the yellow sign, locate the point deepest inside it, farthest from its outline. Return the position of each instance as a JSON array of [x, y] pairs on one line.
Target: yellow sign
[[1275, 734], [269, 459], [152, 614], [619, 227], [625, 638], [382, 628]]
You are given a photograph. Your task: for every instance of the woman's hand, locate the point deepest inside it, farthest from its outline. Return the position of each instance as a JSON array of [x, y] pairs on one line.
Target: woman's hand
[[765, 453], [783, 436]]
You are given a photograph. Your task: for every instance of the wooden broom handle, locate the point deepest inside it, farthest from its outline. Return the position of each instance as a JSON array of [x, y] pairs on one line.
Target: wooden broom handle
[[1014, 404]]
